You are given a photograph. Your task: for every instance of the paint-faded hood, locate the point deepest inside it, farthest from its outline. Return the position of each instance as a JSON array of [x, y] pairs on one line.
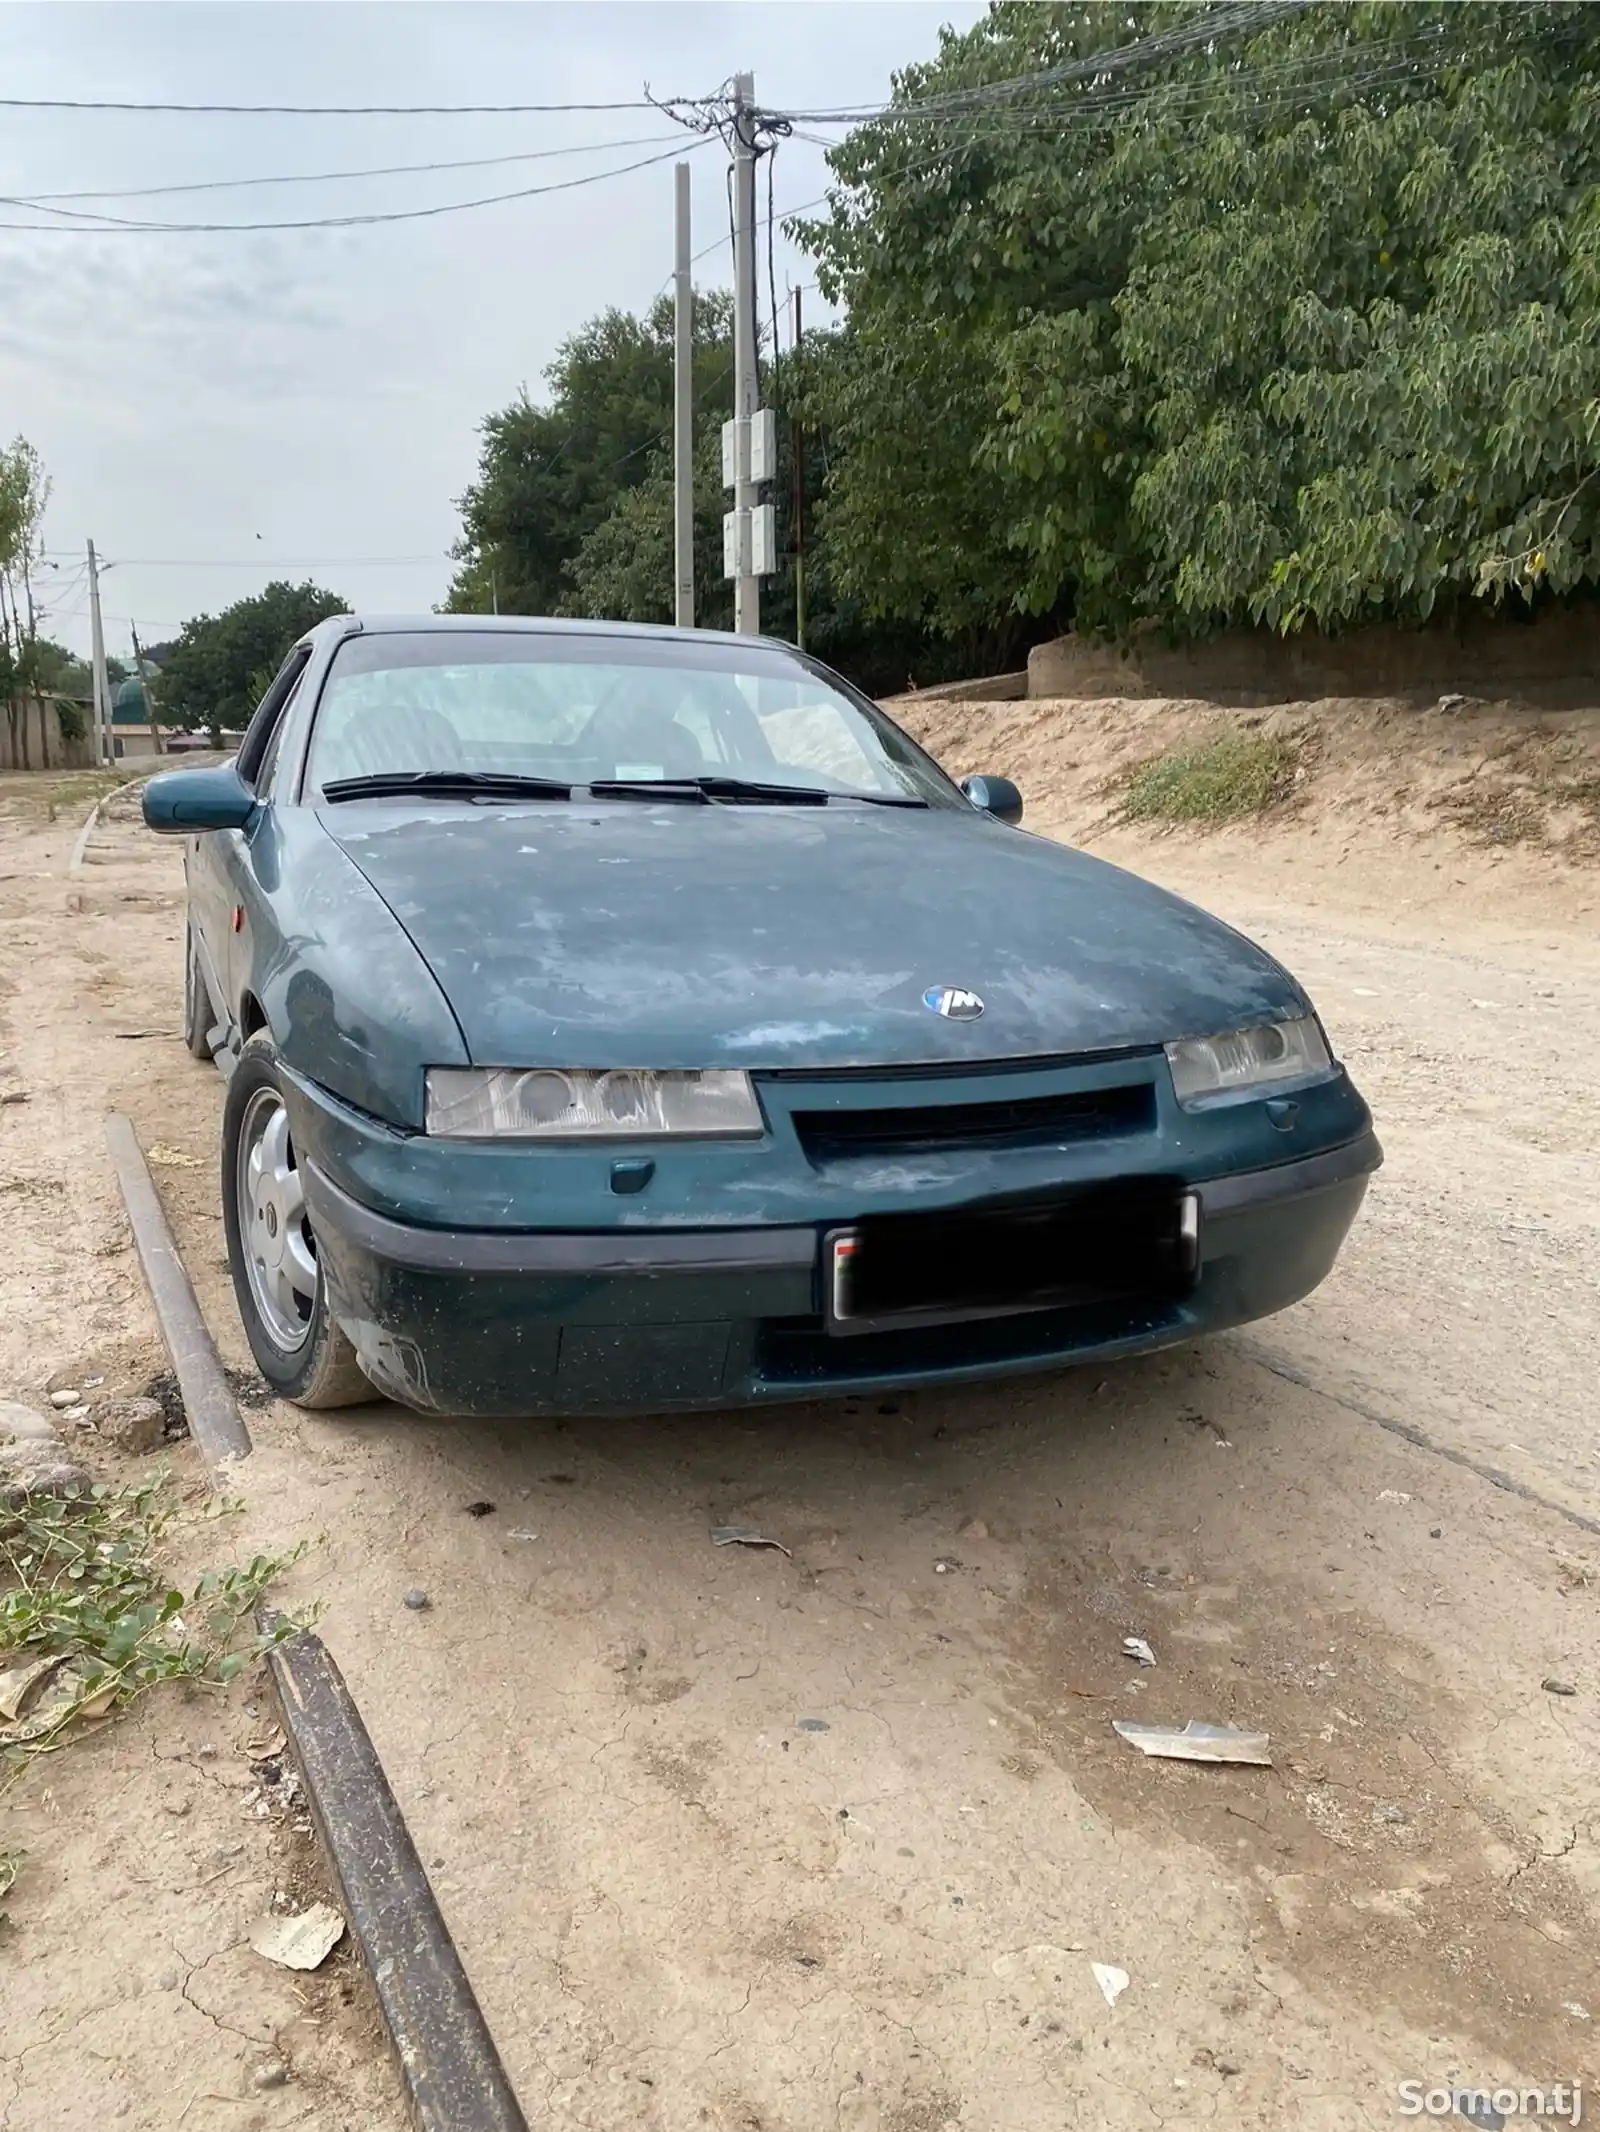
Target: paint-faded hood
[[642, 933]]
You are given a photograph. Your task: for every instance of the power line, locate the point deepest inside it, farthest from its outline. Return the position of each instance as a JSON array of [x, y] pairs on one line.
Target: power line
[[78, 103], [265, 562], [118, 226], [1234, 19], [328, 177], [1281, 80]]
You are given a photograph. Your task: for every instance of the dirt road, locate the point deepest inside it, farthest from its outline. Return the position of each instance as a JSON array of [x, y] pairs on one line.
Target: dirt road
[[832, 1839]]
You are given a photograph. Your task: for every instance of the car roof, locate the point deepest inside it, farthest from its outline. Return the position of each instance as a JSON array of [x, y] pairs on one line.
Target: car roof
[[343, 625]]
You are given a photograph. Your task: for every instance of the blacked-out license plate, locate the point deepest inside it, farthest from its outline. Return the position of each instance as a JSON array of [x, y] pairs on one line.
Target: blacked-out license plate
[[1134, 1237]]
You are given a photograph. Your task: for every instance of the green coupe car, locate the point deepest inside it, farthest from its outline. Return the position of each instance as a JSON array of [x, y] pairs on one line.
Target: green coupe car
[[624, 1019]]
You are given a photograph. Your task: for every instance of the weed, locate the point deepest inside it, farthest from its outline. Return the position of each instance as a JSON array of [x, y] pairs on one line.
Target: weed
[[1581, 792], [73, 794], [89, 1620], [1493, 812], [1223, 781]]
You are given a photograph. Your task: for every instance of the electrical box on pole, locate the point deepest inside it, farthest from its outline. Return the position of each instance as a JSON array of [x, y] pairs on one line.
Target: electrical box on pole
[[763, 429], [763, 540]]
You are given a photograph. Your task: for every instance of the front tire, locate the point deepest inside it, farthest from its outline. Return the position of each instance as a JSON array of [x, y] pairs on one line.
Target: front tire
[[272, 1252]]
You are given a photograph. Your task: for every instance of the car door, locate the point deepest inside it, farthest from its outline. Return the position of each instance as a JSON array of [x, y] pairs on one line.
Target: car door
[[230, 895]]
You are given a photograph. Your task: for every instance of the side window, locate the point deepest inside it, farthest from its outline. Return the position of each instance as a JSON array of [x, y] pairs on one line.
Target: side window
[[268, 768], [267, 723]]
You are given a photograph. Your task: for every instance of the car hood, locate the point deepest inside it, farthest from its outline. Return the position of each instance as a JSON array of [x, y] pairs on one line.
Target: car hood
[[654, 934]]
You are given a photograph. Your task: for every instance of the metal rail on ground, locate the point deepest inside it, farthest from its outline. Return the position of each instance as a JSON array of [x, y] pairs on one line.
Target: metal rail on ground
[[215, 1422]]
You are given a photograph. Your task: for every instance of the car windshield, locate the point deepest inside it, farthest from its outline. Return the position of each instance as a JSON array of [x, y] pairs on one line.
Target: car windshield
[[603, 709]]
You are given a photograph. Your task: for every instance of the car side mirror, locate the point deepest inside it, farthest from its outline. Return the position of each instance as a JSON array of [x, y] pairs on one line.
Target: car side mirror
[[995, 795], [179, 802]]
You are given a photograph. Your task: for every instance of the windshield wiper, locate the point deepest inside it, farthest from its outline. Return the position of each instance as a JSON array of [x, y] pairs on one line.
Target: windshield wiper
[[710, 788], [445, 784]]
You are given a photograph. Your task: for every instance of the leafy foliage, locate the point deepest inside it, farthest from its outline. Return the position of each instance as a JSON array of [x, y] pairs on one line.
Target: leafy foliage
[[221, 665], [81, 1585], [1302, 330], [572, 512], [550, 476], [24, 494]]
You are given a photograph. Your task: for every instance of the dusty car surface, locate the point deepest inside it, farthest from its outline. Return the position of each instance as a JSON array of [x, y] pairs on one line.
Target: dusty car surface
[[633, 1019]]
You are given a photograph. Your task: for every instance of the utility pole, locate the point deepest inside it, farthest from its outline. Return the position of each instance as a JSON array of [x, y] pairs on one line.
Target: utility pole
[[102, 689], [797, 463], [682, 412], [746, 379]]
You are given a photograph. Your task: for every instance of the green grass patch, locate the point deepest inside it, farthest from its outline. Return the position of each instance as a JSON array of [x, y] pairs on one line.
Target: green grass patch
[[1224, 781], [77, 792], [89, 1619]]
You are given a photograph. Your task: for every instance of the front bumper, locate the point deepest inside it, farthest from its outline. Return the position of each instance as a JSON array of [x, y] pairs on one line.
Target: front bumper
[[635, 1319]]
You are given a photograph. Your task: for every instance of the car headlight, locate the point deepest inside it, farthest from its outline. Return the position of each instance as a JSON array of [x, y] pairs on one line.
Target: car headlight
[[542, 1103], [1246, 1059]]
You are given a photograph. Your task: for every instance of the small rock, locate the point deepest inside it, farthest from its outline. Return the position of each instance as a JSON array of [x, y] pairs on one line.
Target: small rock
[[133, 1425], [205, 1752], [169, 1980], [78, 1415], [1552, 1686], [176, 1804], [1226, 2067], [37, 1469], [67, 1398], [19, 1424], [1435, 1532], [812, 1724], [1389, 1813], [14, 1095], [417, 1600], [272, 2073], [974, 1529]]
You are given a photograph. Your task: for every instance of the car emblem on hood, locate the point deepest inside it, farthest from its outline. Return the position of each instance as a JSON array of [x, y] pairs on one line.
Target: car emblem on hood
[[953, 1003]]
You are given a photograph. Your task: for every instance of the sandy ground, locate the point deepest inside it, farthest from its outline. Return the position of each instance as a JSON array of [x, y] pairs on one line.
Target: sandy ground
[[129, 1994], [747, 1841]]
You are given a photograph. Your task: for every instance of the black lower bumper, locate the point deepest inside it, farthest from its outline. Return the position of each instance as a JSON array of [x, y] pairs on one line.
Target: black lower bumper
[[646, 1320]]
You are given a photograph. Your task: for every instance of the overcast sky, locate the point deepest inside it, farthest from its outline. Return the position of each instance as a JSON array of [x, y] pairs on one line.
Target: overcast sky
[[286, 402]]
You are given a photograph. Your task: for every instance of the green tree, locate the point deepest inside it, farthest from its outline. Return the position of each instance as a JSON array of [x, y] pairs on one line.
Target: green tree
[[219, 667], [24, 495], [626, 568], [1299, 329], [549, 475]]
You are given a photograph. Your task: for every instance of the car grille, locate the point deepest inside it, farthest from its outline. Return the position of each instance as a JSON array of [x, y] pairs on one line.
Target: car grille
[[938, 1128]]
